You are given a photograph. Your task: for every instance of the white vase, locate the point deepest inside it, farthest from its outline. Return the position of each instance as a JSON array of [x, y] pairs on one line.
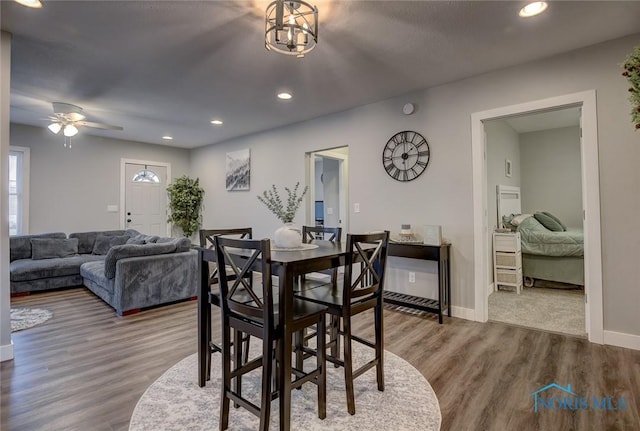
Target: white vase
[[288, 236]]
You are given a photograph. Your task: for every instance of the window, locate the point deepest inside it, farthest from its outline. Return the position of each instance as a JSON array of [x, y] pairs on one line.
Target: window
[[146, 176], [18, 190]]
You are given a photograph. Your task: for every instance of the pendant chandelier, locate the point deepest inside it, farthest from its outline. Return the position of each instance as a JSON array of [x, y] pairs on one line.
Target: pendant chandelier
[[291, 27]]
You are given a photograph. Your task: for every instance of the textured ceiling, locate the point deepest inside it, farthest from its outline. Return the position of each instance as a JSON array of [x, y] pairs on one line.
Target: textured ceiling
[[169, 67]]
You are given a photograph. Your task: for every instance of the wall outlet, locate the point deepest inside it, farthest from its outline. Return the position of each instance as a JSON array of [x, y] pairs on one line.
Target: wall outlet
[[412, 277], [356, 208]]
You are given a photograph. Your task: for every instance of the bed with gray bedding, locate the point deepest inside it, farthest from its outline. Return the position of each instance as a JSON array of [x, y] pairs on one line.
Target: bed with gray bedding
[[556, 256]]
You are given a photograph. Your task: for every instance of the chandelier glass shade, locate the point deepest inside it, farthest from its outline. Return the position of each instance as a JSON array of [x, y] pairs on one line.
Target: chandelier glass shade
[[291, 27]]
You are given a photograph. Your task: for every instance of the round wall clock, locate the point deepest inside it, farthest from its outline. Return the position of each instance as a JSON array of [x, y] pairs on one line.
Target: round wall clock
[[406, 156]]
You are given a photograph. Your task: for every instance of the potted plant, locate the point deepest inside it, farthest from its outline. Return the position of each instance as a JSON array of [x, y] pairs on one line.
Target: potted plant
[[287, 236], [185, 204], [632, 73]]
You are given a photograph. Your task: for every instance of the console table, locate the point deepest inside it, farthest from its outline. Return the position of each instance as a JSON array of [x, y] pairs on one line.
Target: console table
[[436, 253]]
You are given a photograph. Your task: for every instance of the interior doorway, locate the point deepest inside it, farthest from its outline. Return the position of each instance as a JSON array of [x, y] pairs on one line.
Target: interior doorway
[[143, 200], [328, 188], [590, 199], [533, 164]]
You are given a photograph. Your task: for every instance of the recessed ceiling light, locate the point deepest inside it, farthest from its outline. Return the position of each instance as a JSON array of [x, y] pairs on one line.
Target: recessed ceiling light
[[167, 138], [533, 9], [284, 96], [35, 4], [216, 122]]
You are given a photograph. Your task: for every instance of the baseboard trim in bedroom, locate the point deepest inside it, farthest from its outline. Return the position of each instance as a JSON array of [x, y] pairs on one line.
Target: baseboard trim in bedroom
[[490, 289], [463, 313], [620, 339], [6, 352]]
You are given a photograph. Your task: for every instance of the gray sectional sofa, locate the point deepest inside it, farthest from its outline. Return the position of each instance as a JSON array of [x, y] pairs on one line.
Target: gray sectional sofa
[[126, 269]]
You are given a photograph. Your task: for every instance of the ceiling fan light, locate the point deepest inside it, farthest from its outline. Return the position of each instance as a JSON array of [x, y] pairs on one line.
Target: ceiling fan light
[[70, 130], [35, 4], [54, 128]]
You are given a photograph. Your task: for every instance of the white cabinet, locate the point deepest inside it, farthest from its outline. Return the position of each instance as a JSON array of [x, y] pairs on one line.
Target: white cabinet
[[507, 260]]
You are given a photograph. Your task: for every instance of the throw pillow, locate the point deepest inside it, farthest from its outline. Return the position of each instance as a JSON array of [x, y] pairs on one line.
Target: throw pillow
[[104, 243], [564, 226], [50, 248], [548, 222]]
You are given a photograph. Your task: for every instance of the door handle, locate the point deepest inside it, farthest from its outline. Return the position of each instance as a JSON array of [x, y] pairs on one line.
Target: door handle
[[128, 220]]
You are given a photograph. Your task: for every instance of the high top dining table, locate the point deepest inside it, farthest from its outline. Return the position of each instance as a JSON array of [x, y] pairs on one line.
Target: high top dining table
[[287, 266]]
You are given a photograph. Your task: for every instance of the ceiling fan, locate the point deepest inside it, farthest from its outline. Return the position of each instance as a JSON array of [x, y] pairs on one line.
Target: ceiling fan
[[68, 118]]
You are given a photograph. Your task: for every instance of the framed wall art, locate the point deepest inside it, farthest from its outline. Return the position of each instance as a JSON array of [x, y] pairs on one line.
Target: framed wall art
[[238, 172]]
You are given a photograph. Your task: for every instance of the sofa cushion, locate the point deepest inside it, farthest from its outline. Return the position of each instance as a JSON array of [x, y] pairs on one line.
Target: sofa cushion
[[105, 242], [48, 248], [94, 272], [182, 244], [20, 245], [131, 250], [29, 269], [86, 240]]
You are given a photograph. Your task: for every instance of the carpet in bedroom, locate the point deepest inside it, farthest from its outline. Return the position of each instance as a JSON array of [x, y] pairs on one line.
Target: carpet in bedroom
[[553, 310]]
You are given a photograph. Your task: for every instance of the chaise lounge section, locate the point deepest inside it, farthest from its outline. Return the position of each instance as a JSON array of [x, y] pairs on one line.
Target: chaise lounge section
[[137, 276], [126, 269]]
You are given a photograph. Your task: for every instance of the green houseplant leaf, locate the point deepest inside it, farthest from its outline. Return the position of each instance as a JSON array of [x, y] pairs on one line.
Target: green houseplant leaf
[[185, 204], [632, 73]]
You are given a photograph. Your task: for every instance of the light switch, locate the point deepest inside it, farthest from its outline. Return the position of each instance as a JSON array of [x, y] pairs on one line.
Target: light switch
[[112, 208], [356, 208], [329, 211]]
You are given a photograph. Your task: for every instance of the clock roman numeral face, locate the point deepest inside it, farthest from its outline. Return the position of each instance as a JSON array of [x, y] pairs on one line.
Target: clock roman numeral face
[[406, 156]]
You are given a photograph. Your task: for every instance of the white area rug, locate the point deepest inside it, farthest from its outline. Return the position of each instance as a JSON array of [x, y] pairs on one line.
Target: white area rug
[[175, 402], [24, 318], [554, 310]]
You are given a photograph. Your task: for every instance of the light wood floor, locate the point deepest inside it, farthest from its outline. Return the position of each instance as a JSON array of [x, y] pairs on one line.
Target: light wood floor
[[85, 368]]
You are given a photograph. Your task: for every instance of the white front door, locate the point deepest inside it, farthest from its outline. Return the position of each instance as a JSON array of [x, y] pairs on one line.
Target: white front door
[[146, 198]]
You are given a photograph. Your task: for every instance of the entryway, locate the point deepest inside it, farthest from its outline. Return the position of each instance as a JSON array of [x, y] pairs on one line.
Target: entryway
[[328, 186], [144, 196], [590, 199], [533, 164]]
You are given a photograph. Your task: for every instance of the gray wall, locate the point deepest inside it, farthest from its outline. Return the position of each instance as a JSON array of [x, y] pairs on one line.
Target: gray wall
[[331, 186], [551, 174], [443, 194], [502, 143], [71, 188]]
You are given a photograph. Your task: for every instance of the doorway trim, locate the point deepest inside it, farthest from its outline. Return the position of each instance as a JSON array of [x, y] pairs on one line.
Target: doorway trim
[[590, 202], [123, 180]]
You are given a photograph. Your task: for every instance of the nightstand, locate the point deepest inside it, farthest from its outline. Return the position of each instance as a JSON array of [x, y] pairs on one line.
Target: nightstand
[[507, 260]]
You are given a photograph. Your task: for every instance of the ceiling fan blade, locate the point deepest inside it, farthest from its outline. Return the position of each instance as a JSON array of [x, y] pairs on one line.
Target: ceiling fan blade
[[65, 108], [74, 116], [98, 125]]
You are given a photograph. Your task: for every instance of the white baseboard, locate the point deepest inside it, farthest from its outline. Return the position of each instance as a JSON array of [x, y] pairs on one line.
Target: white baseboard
[[463, 313], [490, 288], [621, 339], [6, 352]]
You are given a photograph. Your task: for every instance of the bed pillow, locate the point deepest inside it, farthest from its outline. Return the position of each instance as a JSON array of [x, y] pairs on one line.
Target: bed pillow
[[548, 222], [564, 226], [104, 243], [50, 248], [516, 220]]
